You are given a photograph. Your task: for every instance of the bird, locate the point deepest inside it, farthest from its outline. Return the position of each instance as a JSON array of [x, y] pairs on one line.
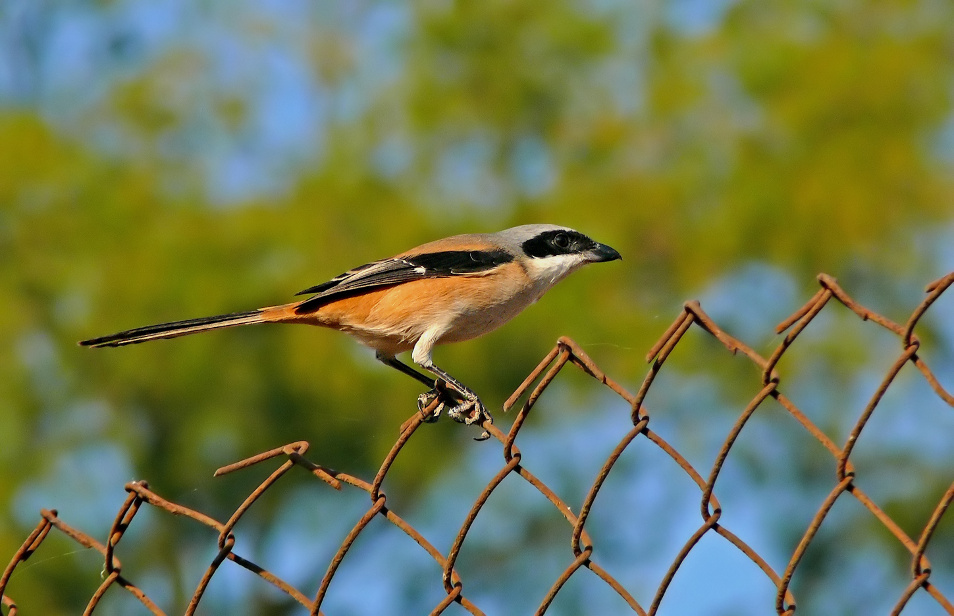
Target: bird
[[445, 291]]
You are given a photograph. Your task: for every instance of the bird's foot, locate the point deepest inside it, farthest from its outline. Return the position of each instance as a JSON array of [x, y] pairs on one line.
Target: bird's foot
[[428, 398], [471, 411], [462, 407]]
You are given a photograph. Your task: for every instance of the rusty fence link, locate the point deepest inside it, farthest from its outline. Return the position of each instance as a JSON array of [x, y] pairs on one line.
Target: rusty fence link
[[582, 553]]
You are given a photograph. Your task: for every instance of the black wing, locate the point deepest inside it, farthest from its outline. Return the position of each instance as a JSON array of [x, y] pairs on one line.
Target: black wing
[[398, 270]]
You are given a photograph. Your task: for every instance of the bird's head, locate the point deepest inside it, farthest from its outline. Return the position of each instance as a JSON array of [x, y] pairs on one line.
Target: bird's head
[[551, 252]]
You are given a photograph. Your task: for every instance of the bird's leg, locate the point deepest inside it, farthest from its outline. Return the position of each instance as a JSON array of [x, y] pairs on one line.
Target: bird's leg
[[438, 387], [397, 364], [470, 410], [462, 404]]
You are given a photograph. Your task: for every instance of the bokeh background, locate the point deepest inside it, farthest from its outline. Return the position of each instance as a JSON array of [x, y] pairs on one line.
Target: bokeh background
[[176, 158]]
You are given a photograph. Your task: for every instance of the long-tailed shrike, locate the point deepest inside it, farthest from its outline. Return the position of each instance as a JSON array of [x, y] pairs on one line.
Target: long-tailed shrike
[[444, 291]]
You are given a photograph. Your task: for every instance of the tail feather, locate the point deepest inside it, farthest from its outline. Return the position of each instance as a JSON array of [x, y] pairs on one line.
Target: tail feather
[[178, 328]]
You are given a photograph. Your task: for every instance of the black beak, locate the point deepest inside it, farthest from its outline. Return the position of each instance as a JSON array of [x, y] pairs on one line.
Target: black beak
[[602, 252]]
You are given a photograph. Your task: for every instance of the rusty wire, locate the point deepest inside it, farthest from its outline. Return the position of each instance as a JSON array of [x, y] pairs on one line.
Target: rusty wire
[[582, 550]]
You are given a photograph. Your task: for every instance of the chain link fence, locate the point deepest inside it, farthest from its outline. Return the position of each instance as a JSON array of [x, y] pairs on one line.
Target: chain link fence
[[583, 554]]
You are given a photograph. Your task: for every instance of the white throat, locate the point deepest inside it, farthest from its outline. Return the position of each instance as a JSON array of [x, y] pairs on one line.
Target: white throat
[[548, 271]]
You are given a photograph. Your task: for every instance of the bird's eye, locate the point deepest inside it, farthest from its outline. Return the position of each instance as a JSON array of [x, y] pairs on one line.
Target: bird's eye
[[561, 240]]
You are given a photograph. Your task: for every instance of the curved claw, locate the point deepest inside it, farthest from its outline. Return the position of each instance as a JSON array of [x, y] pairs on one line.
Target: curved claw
[[472, 412], [469, 412], [426, 399]]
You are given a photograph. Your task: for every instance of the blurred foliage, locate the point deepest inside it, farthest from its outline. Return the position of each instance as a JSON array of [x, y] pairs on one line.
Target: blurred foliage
[[184, 159]]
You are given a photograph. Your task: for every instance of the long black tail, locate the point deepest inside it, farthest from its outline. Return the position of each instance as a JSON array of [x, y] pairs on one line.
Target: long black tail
[[177, 328]]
